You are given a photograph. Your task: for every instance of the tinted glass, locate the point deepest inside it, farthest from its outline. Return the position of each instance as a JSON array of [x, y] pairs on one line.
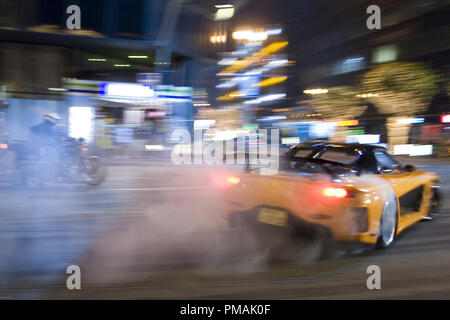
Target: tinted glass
[[338, 156], [385, 161], [303, 152]]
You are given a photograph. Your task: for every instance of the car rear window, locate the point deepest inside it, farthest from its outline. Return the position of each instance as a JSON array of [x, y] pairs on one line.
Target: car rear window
[[338, 156], [303, 152]]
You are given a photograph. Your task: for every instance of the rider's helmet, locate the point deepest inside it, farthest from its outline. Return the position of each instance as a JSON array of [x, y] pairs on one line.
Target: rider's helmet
[[52, 117]]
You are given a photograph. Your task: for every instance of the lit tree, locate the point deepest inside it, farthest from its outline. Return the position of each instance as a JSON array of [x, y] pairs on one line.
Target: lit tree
[[399, 90], [339, 103]]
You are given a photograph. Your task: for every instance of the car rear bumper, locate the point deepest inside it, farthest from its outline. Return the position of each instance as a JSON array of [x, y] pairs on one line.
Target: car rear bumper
[[351, 226]]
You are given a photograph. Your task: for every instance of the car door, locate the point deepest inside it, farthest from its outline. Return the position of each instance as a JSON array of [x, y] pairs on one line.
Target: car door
[[408, 187]]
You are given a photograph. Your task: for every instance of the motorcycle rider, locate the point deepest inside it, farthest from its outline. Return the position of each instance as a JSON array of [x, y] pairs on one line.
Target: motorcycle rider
[[46, 129], [46, 143]]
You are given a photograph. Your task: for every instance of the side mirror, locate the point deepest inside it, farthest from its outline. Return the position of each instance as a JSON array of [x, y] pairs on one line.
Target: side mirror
[[410, 168]]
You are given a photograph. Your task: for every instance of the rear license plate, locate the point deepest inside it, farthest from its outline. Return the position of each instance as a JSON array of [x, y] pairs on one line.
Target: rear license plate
[[272, 216]]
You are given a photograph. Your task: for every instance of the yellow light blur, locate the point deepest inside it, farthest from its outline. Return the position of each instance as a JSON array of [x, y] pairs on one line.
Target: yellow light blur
[[241, 64], [281, 110], [367, 95], [272, 48], [315, 91], [218, 38], [347, 123], [271, 81], [228, 96]]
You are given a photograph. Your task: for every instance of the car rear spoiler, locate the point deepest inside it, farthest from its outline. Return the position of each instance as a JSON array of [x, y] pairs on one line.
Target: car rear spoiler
[[323, 161]]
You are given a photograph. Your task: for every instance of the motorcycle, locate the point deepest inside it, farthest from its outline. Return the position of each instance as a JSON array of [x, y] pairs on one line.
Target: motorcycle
[[70, 162]]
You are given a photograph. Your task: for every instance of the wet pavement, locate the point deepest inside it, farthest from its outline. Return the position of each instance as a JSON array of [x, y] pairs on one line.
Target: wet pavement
[[156, 232]]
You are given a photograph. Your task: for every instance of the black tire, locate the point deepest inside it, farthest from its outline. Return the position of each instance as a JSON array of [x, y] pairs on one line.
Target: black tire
[[435, 203], [95, 172], [388, 223]]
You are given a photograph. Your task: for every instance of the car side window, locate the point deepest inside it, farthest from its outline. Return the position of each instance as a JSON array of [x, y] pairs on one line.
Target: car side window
[[367, 164], [338, 156], [303, 152], [385, 163]]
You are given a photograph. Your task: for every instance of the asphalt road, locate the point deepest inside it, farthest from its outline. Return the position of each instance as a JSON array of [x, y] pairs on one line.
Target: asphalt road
[[156, 232]]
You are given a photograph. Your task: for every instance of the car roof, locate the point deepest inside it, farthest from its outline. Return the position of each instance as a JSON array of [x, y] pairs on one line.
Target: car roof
[[340, 145]]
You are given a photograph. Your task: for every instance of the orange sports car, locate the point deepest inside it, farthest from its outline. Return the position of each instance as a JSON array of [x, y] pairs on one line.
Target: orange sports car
[[356, 192]]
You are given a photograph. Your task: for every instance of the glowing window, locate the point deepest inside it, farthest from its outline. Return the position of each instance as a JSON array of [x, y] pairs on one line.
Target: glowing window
[[81, 122]]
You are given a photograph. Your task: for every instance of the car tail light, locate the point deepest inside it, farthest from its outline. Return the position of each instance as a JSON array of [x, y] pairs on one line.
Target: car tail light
[[335, 192], [3, 146], [233, 180]]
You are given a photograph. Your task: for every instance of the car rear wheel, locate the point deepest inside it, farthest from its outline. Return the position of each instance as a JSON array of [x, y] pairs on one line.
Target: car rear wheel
[[388, 223]]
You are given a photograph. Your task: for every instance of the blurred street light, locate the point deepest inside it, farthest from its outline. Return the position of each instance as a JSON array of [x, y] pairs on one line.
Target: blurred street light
[[367, 95], [224, 11], [315, 91], [410, 120], [217, 39], [221, 6], [96, 59], [249, 35]]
